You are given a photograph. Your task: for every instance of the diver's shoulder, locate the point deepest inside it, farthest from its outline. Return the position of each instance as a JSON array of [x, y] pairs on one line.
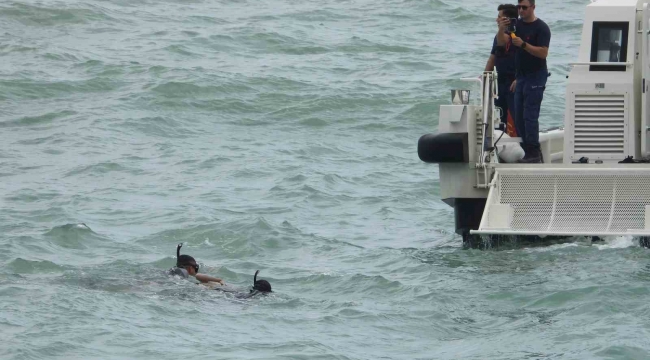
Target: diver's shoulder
[[176, 271]]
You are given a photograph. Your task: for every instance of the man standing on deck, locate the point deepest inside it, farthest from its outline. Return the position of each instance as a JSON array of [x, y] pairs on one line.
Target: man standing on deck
[[532, 40], [503, 58]]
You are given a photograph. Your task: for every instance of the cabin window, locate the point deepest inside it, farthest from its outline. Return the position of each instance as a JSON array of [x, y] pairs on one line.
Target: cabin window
[[609, 45]]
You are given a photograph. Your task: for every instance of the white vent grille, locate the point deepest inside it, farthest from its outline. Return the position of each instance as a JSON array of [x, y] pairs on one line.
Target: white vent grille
[[564, 202], [599, 124]]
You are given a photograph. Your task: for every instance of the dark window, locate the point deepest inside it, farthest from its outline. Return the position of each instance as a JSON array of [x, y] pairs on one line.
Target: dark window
[[609, 44]]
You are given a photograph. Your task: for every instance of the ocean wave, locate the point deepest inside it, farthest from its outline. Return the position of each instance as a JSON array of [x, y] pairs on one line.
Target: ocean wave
[[158, 126], [357, 45], [22, 266], [318, 15], [38, 89], [99, 169], [73, 236], [45, 119], [7, 49], [55, 16]]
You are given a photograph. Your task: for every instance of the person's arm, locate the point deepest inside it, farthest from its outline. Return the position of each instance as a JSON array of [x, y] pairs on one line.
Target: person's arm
[[207, 278], [489, 66], [537, 51], [490, 63], [513, 86], [502, 36]]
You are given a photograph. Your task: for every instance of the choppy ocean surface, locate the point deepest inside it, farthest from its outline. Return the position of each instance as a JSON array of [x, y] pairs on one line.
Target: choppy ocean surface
[[281, 136]]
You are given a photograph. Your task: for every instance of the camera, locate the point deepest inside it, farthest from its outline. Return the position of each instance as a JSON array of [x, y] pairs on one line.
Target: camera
[[512, 27]]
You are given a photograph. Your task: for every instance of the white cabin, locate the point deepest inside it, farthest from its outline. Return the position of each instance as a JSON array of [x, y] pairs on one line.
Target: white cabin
[[603, 112]]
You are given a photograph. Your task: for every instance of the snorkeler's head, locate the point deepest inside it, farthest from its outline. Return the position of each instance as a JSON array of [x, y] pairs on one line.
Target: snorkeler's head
[[261, 285], [186, 261]]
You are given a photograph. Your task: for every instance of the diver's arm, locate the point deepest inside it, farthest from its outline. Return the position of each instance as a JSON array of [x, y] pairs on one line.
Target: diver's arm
[[207, 278], [490, 63], [212, 285]]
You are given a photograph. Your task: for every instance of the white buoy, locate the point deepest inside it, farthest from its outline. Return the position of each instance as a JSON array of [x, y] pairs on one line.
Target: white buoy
[[509, 152]]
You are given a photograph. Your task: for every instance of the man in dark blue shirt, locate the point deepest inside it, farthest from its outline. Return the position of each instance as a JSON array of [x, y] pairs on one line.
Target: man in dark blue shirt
[[532, 40], [503, 58]]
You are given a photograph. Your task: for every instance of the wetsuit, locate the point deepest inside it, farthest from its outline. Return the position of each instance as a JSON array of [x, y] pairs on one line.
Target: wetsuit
[[179, 272]]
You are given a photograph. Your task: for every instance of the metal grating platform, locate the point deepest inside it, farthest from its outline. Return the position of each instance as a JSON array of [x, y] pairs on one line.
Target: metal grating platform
[[571, 202]]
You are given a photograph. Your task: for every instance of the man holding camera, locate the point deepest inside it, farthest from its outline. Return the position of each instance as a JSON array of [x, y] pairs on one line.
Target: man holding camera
[[532, 40], [503, 58]]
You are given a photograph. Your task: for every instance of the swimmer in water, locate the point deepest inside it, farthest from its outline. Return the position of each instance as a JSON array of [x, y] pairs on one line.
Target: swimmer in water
[[186, 266], [262, 286], [259, 287]]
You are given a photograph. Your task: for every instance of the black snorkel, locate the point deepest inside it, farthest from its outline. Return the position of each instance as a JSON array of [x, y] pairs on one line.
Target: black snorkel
[[185, 260], [262, 286]]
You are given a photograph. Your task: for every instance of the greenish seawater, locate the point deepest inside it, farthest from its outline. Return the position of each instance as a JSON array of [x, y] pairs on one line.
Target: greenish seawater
[[281, 136]]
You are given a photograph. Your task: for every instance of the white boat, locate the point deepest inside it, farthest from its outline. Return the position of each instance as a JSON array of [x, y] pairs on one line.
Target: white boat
[[595, 180]]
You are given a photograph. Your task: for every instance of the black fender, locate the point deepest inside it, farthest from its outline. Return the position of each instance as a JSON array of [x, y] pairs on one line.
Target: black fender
[[444, 148]]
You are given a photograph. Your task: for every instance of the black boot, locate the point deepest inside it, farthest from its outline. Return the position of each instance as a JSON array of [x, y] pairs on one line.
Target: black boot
[[533, 155]]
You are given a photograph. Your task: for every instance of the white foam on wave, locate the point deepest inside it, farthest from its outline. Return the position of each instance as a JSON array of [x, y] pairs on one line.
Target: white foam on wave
[[617, 242], [554, 247], [608, 242]]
